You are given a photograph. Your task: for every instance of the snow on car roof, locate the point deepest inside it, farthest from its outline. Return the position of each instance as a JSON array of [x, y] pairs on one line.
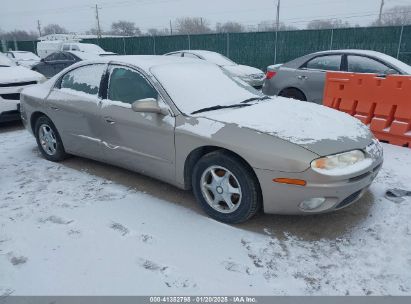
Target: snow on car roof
[[146, 62], [84, 55], [211, 56]]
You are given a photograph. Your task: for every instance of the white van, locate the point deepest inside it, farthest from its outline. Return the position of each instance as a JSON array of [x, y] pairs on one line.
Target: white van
[[45, 48]]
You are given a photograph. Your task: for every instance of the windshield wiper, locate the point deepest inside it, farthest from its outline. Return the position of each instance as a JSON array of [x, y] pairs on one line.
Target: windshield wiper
[[255, 98], [220, 107]]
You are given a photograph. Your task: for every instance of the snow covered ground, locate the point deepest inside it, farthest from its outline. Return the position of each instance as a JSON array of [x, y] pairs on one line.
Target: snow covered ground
[[76, 228]]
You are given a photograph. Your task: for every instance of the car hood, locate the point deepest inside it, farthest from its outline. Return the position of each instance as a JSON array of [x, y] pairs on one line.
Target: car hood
[[317, 128], [242, 70], [18, 74]]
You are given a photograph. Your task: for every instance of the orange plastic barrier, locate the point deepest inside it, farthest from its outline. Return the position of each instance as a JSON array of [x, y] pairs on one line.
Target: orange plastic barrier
[[384, 104]]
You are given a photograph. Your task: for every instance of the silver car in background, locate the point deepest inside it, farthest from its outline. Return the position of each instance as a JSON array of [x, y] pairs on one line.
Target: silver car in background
[[304, 78], [253, 76], [238, 150]]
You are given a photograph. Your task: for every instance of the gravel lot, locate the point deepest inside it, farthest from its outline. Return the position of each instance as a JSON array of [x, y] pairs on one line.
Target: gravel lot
[[85, 228]]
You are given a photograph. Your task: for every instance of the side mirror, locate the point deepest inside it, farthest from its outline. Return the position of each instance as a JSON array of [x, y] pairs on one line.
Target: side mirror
[[148, 105]]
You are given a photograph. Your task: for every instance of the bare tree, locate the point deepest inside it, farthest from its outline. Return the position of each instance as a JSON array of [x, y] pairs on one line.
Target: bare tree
[[157, 32], [18, 35], [327, 24], [397, 15], [229, 27], [54, 29], [125, 28], [269, 26], [192, 26]]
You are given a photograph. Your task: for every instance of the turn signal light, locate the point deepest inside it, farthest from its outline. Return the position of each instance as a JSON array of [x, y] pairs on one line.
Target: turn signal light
[[270, 74], [290, 181]]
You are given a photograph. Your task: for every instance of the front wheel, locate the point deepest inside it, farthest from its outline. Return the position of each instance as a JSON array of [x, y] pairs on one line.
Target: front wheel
[[226, 188], [48, 140]]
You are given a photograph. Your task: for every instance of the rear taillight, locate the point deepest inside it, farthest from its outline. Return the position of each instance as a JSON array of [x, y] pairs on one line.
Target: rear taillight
[[270, 74]]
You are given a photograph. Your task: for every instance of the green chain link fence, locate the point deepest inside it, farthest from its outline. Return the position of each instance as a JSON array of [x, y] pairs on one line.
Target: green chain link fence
[[257, 49]]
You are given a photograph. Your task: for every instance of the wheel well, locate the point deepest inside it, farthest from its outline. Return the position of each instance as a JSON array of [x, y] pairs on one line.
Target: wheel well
[[196, 154], [293, 88], [33, 119]]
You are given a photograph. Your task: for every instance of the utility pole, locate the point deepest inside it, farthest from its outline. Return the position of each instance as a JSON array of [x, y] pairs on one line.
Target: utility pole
[[171, 28], [98, 22], [39, 27], [277, 27], [381, 9]]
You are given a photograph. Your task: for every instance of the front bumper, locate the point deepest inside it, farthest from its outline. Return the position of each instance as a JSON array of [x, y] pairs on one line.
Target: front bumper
[[286, 199]]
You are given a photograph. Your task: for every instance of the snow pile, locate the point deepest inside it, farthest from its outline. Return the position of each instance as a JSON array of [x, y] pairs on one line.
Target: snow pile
[[83, 228], [297, 121]]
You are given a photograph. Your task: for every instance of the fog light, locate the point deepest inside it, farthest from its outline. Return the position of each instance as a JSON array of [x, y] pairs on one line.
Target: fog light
[[312, 203]]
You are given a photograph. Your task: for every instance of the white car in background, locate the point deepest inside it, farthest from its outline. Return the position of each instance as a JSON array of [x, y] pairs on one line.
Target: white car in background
[[13, 79], [248, 74], [23, 58], [86, 48]]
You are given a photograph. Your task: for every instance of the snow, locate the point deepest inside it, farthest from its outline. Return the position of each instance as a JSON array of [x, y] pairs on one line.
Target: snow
[[70, 229], [195, 85], [212, 57], [296, 121], [18, 74], [202, 127]]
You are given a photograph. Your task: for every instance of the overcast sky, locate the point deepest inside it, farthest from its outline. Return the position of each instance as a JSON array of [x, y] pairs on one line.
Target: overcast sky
[[79, 16]]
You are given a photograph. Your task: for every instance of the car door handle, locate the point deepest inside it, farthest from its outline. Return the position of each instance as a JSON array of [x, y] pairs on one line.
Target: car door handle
[[109, 120], [302, 77], [54, 108]]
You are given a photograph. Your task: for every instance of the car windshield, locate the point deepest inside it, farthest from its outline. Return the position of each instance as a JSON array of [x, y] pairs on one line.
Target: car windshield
[[25, 56], [195, 86], [216, 58], [5, 62]]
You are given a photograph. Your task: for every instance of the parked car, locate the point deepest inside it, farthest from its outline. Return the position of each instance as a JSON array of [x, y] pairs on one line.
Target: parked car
[[250, 75], [47, 47], [85, 47], [58, 61], [304, 78], [23, 58], [13, 79], [239, 151]]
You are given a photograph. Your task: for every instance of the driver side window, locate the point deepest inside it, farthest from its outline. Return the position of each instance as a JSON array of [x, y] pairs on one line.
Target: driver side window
[[128, 86]]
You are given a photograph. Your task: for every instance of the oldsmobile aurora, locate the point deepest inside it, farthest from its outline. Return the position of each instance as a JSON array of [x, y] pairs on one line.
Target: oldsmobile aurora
[[189, 123]]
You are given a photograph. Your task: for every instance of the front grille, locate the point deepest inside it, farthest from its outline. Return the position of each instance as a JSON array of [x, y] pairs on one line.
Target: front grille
[[12, 96], [17, 84], [349, 200]]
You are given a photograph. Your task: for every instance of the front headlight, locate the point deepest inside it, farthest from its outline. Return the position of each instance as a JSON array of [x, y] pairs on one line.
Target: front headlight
[[339, 163]]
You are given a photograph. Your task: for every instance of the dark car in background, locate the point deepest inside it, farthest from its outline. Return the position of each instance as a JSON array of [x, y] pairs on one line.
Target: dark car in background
[[304, 78], [58, 61]]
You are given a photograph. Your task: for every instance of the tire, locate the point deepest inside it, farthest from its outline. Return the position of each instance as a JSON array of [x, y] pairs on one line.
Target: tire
[[48, 140], [293, 93], [233, 175]]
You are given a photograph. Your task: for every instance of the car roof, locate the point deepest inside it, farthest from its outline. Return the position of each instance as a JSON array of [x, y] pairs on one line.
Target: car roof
[[145, 62], [197, 52], [351, 51]]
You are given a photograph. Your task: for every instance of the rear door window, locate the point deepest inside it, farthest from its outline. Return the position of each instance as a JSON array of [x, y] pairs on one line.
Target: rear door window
[[127, 85], [361, 64], [85, 79], [325, 63]]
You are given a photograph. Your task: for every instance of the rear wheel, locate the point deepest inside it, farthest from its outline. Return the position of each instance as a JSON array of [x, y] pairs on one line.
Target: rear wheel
[[226, 188], [48, 140], [293, 93]]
